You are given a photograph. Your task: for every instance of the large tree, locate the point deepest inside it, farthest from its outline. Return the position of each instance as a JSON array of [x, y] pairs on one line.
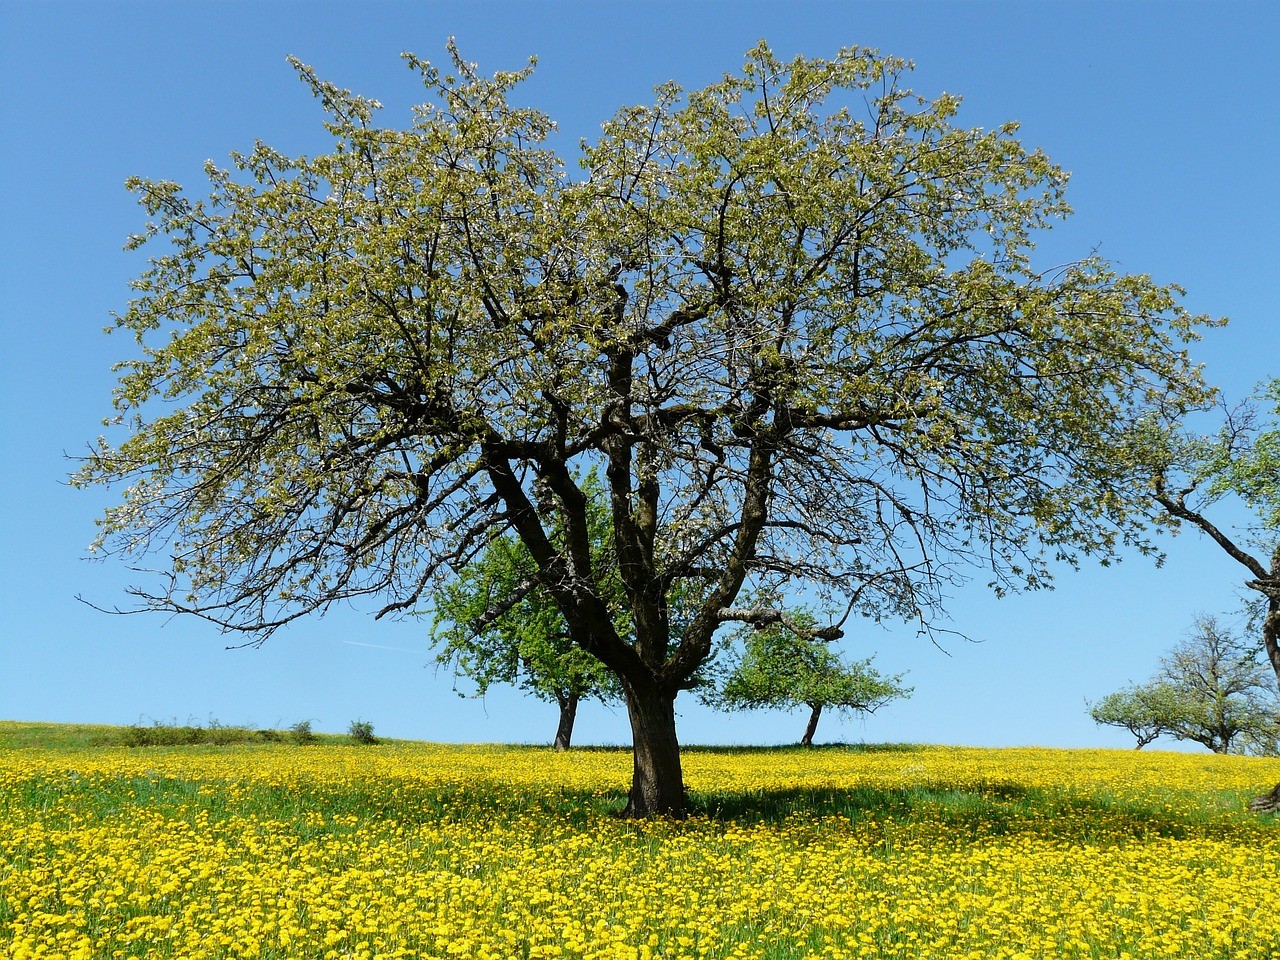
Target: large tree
[[792, 317], [1242, 461]]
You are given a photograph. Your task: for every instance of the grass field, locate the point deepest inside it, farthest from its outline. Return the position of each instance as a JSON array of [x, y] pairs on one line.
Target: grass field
[[347, 852]]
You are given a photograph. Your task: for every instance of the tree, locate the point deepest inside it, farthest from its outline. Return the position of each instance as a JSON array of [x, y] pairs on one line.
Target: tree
[[493, 627], [784, 666], [494, 624], [1242, 460], [1145, 710], [1267, 803], [1229, 698], [1210, 689], [792, 317]]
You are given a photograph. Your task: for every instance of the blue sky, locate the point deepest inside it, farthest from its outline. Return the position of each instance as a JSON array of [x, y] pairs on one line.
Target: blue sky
[[1165, 113]]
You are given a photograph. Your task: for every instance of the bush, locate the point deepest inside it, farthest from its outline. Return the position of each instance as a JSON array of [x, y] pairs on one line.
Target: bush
[[160, 734], [361, 731], [301, 732]]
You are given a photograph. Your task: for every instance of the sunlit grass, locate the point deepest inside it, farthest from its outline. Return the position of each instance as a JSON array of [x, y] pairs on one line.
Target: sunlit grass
[[415, 850], [55, 736], [70, 736]]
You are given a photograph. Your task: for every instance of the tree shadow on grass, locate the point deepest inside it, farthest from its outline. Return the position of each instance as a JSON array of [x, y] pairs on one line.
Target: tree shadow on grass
[[985, 810], [790, 748], [855, 803], [783, 748]]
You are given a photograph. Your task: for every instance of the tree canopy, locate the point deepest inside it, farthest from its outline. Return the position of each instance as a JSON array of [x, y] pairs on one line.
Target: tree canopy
[[791, 317]]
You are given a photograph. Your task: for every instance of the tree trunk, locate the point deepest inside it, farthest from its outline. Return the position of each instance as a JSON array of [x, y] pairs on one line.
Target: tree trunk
[[657, 782], [1271, 625], [1267, 803], [1271, 629], [807, 739], [1270, 802], [568, 713]]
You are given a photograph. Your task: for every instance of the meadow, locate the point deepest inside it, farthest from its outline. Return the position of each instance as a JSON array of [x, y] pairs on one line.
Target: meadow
[[406, 850]]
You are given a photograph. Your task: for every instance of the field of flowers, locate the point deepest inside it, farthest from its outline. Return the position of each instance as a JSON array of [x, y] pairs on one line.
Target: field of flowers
[[372, 853]]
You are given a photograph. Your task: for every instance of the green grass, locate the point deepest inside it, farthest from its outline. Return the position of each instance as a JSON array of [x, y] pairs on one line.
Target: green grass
[[16, 735]]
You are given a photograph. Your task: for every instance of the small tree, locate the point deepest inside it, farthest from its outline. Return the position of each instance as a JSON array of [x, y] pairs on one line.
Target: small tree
[[1145, 710], [495, 624], [301, 732], [784, 666], [1210, 690]]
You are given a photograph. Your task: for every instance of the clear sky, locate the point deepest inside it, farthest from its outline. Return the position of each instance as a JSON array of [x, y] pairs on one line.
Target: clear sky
[[1165, 113]]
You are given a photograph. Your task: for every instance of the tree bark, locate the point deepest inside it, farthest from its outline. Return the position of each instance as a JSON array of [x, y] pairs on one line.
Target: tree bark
[[657, 782], [1271, 630], [568, 713], [811, 729], [1270, 803], [1267, 803]]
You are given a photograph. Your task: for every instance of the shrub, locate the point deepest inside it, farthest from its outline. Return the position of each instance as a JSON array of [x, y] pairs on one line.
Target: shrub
[[361, 731], [302, 733], [160, 734]]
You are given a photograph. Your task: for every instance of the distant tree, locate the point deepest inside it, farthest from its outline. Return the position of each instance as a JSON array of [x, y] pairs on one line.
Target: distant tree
[[1210, 690], [1230, 701], [301, 732], [1145, 710], [494, 624], [793, 317], [783, 666]]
